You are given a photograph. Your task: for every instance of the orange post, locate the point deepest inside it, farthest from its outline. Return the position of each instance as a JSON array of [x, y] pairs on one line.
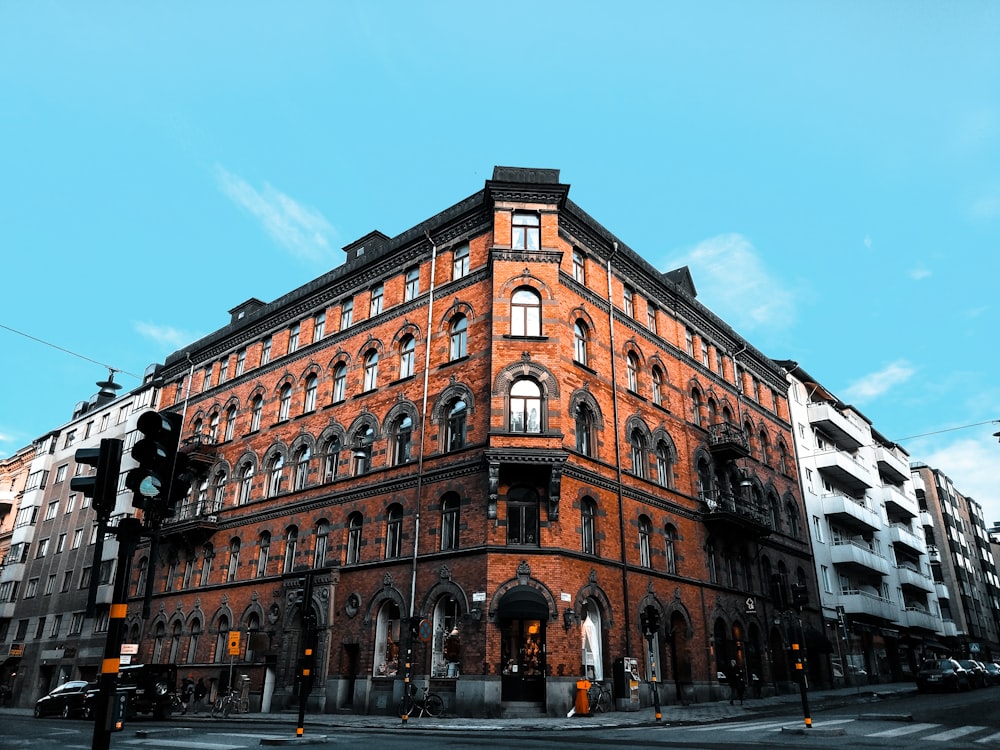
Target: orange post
[[582, 704]]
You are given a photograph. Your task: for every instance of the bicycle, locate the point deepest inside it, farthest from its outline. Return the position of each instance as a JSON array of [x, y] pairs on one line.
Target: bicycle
[[600, 697], [429, 703], [226, 704]]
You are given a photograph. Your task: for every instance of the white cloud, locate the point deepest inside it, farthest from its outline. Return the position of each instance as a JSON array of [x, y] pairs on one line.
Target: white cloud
[[731, 279], [875, 384], [971, 464], [166, 336], [986, 207], [868, 241], [919, 273], [303, 231]]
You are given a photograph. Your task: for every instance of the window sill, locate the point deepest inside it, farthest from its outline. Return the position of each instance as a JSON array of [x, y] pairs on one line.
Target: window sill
[[335, 403], [402, 379], [451, 362], [367, 393], [582, 366], [525, 337], [636, 394]]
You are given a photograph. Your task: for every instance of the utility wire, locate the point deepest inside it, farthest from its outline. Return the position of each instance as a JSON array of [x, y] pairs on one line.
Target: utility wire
[[67, 351], [950, 429]]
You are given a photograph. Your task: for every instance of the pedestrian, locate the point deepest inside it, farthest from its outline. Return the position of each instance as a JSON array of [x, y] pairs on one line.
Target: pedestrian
[[200, 691], [737, 682], [187, 694]]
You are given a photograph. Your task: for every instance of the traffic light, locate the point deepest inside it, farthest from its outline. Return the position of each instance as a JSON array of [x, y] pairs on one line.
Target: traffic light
[[162, 477], [800, 595], [102, 486], [649, 621]]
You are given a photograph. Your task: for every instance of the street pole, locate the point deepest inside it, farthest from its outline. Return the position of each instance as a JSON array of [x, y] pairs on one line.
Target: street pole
[[798, 652], [652, 663], [308, 656]]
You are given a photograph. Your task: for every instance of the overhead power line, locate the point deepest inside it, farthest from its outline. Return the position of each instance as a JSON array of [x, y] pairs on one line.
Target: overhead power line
[[950, 429], [67, 351]]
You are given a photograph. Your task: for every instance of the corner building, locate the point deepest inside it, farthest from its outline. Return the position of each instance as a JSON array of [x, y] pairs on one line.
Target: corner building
[[501, 425]]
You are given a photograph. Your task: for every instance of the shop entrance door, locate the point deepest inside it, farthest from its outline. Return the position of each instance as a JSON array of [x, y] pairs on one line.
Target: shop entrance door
[[523, 654]]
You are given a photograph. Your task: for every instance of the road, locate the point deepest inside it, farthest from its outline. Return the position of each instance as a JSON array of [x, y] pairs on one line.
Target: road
[[968, 720]]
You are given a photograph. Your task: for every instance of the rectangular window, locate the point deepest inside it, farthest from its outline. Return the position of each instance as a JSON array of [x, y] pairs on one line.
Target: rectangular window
[[40, 629], [412, 285], [346, 314], [376, 301], [206, 382], [76, 624], [525, 232], [88, 430], [56, 626], [628, 302], [241, 361], [704, 352], [105, 418], [31, 589], [265, 352], [223, 370], [50, 584], [61, 473], [70, 438], [579, 267], [689, 341], [651, 316], [293, 337], [77, 538], [460, 262], [818, 529], [51, 510], [66, 581], [123, 414], [61, 544]]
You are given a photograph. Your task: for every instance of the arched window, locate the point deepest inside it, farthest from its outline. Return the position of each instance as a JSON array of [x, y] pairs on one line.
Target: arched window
[[407, 349], [192, 649], [713, 412], [291, 543], [706, 489], [234, 559], [402, 437], [696, 406], [229, 426], [393, 531], [794, 527], [526, 313], [455, 426], [361, 452], [525, 406], [284, 402], [371, 370], [309, 404], [645, 531], [386, 662], [782, 457], [339, 382], [450, 509], [159, 636], [588, 516], [275, 474], [638, 446], [222, 640], [140, 579], [246, 483], [585, 429], [460, 262], [664, 465], [263, 551], [213, 427], [525, 231], [593, 648], [774, 517], [765, 448], [657, 385], [256, 408], [446, 648], [580, 336], [331, 457], [670, 539], [711, 561], [632, 365], [522, 515], [458, 337], [354, 525], [302, 456], [322, 542]]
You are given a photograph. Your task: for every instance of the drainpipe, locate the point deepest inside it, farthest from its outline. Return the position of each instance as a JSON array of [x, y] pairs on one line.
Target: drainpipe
[[618, 460]]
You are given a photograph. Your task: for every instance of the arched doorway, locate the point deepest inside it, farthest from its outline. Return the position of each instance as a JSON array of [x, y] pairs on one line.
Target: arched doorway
[[522, 614]]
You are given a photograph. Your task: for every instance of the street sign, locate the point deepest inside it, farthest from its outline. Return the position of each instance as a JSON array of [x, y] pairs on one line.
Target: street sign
[[234, 643], [973, 648], [425, 630], [751, 603], [130, 648]]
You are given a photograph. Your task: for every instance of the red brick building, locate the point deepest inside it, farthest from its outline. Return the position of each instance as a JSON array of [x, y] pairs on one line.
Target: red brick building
[[505, 423]]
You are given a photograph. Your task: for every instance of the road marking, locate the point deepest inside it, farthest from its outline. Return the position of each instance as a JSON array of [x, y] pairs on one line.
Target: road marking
[[739, 727], [187, 744], [953, 734], [911, 729], [990, 739]]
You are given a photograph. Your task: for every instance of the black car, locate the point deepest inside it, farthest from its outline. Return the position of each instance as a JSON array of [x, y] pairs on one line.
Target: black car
[[942, 674], [977, 672], [74, 698], [993, 673], [151, 689]]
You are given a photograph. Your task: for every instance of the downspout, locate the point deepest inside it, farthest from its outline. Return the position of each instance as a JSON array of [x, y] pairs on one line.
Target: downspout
[[618, 460]]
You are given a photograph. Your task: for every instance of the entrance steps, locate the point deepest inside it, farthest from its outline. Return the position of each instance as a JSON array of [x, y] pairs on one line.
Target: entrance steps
[[521, 709]]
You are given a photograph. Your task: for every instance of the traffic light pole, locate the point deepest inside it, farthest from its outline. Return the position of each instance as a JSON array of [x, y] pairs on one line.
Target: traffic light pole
[[308, 652], [128, 531], [656, 691]]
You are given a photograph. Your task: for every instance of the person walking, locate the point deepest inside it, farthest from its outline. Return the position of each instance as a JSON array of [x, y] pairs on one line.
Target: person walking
[[200, 691], [737, 682]]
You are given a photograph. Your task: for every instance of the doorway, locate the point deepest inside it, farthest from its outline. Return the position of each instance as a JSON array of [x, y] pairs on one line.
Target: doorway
[[522, 652]]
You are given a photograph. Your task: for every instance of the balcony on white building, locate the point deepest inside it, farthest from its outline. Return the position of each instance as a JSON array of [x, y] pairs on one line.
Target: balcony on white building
[[921, 618], [857, 602], [914, 578], [949, 628], [843, 431], [933, 553], [852, 513], [926, 519], [897, 503], [850, 554], [843, 470], [891, 466], [899, 534], [941, 589]]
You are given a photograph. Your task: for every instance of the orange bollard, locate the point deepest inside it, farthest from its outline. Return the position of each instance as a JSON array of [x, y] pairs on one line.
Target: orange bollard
[[582, 705]]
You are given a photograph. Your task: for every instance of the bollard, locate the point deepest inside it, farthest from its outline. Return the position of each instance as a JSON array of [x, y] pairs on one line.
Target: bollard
[[582, 704]]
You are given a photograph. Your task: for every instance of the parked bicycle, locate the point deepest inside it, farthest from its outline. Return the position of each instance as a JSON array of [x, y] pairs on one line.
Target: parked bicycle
[[428, 703], [229, 702], [600, 697]]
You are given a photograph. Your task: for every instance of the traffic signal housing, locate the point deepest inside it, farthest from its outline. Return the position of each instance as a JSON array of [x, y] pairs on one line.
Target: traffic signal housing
[[800, 595], [649, 621], [162, 477], [101, 486]]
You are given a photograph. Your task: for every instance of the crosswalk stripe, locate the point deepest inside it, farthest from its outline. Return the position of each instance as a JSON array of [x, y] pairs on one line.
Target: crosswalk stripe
[[739, 727], [953, 734], [899, 732], [989, 739]]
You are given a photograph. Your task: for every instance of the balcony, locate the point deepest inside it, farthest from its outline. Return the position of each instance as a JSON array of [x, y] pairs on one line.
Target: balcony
[[926, 519], [857, 602], [897, 503], [891, 466], [843, 470], [933, 553], [845, 433], [899, 534], [942, 591], [195, 520], [914, 578], [915, 617], [949, 629], [851, 513], [851, 554], [728, 442], [730, 516]]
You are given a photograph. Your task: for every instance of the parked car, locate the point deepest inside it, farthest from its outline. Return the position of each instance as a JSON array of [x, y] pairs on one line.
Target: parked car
[[73, 698], [942, 674], [977, 672], [853, 670], [152, 689], [993, 673]]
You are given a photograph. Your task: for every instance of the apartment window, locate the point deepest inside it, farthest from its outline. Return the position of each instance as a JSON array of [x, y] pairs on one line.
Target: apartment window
[[458, 337], [460, 262], [525, 406], [455, 429], [579, 267], [825, 576], [43, 548], [31, 590], [362, 451], [588, 515], [670, 540], [657, 386], [293, 337], [56, 626], [393, 531], [76, 623], [584, 429], [291, 543], [77, 538], [407, 355], [651, 316], [67, 581], [234, 559], [402, 435], [526, 313], [522, 515], [817, 530], [284, 402], [645, 531], [61, 473], [88, 430], [319, 326], [689, 341], [71, 503], [696, 405], [263, 550], [241, 361], [638, 450], [51, 510], [322, 535], [628, 302], [223, 369], [256, 409], [70, 438], [371, 371], [339, 382], [525, 231], [449, 521], [230, 426], [61, 543], [309, 403], [632, 372], [346, 314], [354, 525], [275, 474], [105, 418], [245, 477], [580, 342], [664, 465], [265, 352], [213, 427], [302, 456], [411, 286], [376, 302]]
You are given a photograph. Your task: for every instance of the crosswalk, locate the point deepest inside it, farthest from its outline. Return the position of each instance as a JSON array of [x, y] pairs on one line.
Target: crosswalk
[[917, 731]]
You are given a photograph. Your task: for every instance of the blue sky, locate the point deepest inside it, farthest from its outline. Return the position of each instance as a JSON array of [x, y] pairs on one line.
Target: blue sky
[[830, 172]]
